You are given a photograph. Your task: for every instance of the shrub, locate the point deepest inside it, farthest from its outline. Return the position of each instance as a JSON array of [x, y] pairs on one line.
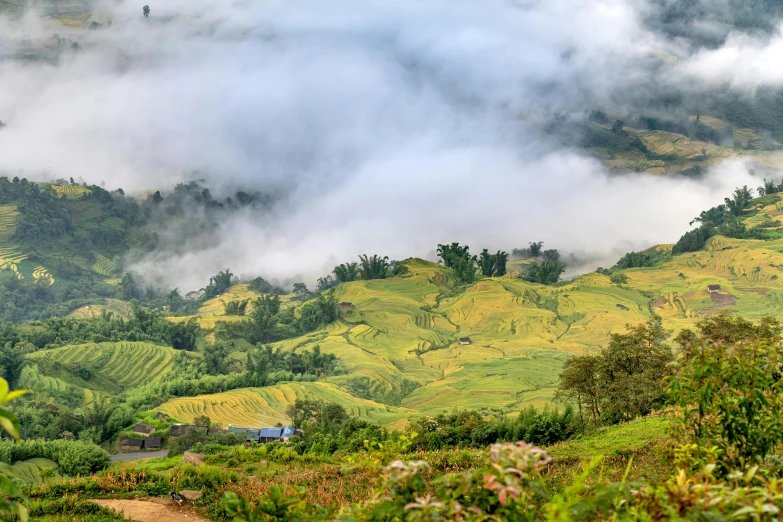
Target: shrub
[[730, 401]]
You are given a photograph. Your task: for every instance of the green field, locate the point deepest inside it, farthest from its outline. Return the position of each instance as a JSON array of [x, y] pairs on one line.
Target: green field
[[102, 368]]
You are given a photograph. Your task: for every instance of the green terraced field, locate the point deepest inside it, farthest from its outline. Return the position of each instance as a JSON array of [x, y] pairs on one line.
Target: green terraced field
[[102, 266], [114, 366], [399, 339]]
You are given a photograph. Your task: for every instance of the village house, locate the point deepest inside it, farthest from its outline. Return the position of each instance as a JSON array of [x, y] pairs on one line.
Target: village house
[[464, 340], [713, 288], [152, 443], [131, 444], [178, 430], [161, 416], [143, 429]]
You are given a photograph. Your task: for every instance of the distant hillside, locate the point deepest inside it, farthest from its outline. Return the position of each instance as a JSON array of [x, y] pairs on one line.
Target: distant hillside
[[399, 337]]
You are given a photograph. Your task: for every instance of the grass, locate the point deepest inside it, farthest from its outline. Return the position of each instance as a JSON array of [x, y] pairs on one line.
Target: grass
[[32, 472], [615, 440]]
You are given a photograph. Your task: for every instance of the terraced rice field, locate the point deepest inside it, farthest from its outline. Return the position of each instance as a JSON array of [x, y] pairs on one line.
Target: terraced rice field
[[114, 306], [10, 254], [255, 407], [665, 143], [124, 364], [102, 266], [43, 274], [41, 385], [71, 191]]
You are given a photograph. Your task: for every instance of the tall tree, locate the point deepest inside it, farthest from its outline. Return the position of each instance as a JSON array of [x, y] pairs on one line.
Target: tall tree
[[346, 272], [146, 10], [374, 267]]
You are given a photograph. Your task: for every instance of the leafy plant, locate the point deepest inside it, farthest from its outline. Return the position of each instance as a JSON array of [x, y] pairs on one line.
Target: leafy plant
[[11, 498]]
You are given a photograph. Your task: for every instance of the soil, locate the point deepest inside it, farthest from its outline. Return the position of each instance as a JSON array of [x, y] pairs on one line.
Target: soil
[[152, 509], [723, 299]]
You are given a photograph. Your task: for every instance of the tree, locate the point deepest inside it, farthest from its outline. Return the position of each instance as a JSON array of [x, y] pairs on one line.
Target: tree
[[216, 358], [739, 200], [579, 382], [450, 253], [218, 284], [486, 263], [374, 267], [730, 397], [458, 258], [617, 127], [624, 380], [728, 328], [535, 248], [301, 291], [346, 272], [501, 259], [146, 10], [544, 272], [492, 264]]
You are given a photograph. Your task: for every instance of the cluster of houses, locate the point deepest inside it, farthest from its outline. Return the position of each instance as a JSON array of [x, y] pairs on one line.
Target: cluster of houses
[[147, 441], [252, 435]]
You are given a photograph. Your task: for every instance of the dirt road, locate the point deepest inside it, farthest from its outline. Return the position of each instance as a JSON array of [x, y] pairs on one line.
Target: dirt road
[[152, 510]]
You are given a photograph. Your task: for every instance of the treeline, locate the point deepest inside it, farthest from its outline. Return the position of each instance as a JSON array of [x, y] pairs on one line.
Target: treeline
[[73, 457], [625, 380], [329, 428], [368, 267], [722, 220], [269, 322], [458, 258]]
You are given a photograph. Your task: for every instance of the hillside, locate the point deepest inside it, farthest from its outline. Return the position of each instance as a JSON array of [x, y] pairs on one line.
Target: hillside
[[399, 338], [86, 373]]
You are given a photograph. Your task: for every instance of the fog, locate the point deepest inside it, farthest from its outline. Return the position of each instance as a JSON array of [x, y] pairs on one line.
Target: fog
[[383, 127]]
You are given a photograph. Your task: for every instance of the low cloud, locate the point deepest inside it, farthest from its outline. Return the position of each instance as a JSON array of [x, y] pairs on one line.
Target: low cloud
[[382, 127]]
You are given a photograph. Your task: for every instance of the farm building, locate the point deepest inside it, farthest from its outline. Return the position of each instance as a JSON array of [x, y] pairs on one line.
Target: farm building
[[161, 416], [178, 430], [713, 288], [464, 340], [143, 429], [152, 443], [251, 434], [273, 434], [131, 444]]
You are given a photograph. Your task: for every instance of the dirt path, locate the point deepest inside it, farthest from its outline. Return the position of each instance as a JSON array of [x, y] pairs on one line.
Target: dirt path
[[152, 510]]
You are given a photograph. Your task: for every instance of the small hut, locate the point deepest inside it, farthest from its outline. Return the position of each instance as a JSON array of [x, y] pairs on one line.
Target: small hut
[[152, 443], [131, 444]]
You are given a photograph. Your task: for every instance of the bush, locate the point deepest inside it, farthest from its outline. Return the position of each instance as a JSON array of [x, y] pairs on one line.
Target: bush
[[730, 399], [73, 456]]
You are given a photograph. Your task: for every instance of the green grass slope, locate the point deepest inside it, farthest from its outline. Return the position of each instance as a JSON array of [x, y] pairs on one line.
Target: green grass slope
[[94, 371]]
